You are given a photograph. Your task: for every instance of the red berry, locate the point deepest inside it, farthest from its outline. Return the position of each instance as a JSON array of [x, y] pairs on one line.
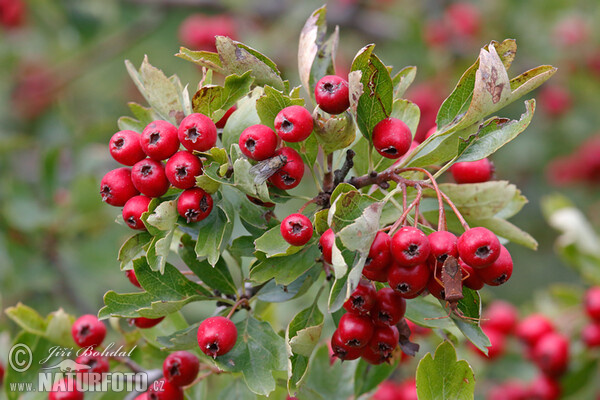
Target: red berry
[[194, 204], [463, 18], [501, 316], [429, 98], [146, 323], [417, 330], [497, 347], [258, 142], [221, 123], [182, 169], [408, 282], [435, 288], [511, 390], [290, 175], [555, 100], [591, 301], [362, 300], [385, 340], [1, 373], [132, 278], [197, 132], [499, 271], [372, 357], [551, 354], [472, 171], [181, 368], [294, 124], [389, 307], [355, 330], [407, 390], [12, 13], [410, 246], [532, 328], [544, 388], [149, 177], [387, 390], [125, 147], [159, 140], [296, 229], [259, 202], [66, 389], [380, 256], [391, 137], [198, 31], [216, 336], [116, 187], [133, 210], [165, 390], [442, 244], [143, 396], [478, 247], [378, 275], [98, 364], [88, 331], [332, 94], [591, 335], [472, 281], [341, 351], [326, 244]]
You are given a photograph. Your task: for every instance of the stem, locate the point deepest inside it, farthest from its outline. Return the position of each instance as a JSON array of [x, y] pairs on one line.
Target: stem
[[328, 177], [438, 192], [370, 155], [236, 305], [340, 174], [129, 363], [402, 218], [455, 210]]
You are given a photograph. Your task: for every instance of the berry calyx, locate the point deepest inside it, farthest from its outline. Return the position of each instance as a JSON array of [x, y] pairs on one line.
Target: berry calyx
[[116, 187], [146, 323], [149, 178], [379, 256], [391, 137], [194, 204], [472, 171], [389, 307], [258, 142], [133, 210], [182, 169], [355, 330], [164, 390], [66, 389], [326, 244], [181, 368], [442, 244], [384, 341], [98, 364], [293, 124], [88, 331], [332, 94], [478, 247], [159, 140], [362, 300], [499, 271], [408, 282], [373, 357], [216, 336], [197, 132], [341, 350], [410, 246], [296, 229], [290, 175], [132, 278], [220, 124], [125, 147]]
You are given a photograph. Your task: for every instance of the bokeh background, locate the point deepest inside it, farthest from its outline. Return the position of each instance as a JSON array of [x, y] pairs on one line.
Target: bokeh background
[[63, 85]]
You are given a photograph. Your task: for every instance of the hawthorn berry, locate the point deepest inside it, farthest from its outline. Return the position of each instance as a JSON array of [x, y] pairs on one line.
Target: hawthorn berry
[[149, 177], [98, 364], [181, 368], [544, 388], [258, 142], [378, 275], [12, 13], [410, 246], [385, 339], [216, 336], [478, 247], [497, 347], [501, 316], [391, 137], [551, 354], [125, 147], [533, 328], [555, 100], [66, 389], [326, 244], [159, 140], [1, 373], [463, 18], [472, 171], [387, 390], [373, 357], [293, 124], [165, 390], [290, 175], [220, 124], [389, 307], [296, 229], [146, 323], [194, 204], [472, 281], [143, 396], [197, 132], [497, 272], [510, 390], [362, 300], [133, 210], [435, 288], [116, 187], [182, 169], [590, 334], [379, 256], [341, 350], [355, 330], [198, 31], [132, 278], [407, 390], [442, 244], [332, 94], [591, 302], [88, 331], [408, 282]]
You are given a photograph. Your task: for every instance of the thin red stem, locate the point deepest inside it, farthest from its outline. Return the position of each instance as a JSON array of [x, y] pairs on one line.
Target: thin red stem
[[442, 213]]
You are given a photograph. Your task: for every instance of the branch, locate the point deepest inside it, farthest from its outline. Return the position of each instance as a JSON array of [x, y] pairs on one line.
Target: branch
[[340, 174]]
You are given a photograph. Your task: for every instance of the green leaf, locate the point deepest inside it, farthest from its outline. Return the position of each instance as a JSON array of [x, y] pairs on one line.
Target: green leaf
[[159, 250], [334, 132], [285, 269], [367, 377], [132, 249], [470, 306], [245, 116], [274, 245], [427, 312], [579, 376], [27, 318], [214, 233], [144, 114], [185, 339], [443, 377], [271, 292], [345, 285], [236, 390], [130, 124], [308, 149], [402, 80], [271, 103], [507, 230], [205, 59], [213, 100], [375, 102], [56, 327], [238, 58], [257, 353], [59, 328], [408, 112]]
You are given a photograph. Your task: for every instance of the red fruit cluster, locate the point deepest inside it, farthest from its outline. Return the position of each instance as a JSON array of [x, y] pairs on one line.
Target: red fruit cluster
[[390, 390], [368, 328], [88, 332], [198, 31], [179, 369], [149, 175], [461, 21], [555, 100], [12, 13], [582, 166], [591, 332]]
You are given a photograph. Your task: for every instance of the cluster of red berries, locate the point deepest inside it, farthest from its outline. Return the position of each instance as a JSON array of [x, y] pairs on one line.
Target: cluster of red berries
[[390, 390], [591, 332], [180, 369], [368, 328], [145, 153], [460, 21], [12, 13], [582, 166]]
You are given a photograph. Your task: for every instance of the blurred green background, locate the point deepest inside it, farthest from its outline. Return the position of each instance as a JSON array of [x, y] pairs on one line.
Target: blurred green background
[[63, 85]]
